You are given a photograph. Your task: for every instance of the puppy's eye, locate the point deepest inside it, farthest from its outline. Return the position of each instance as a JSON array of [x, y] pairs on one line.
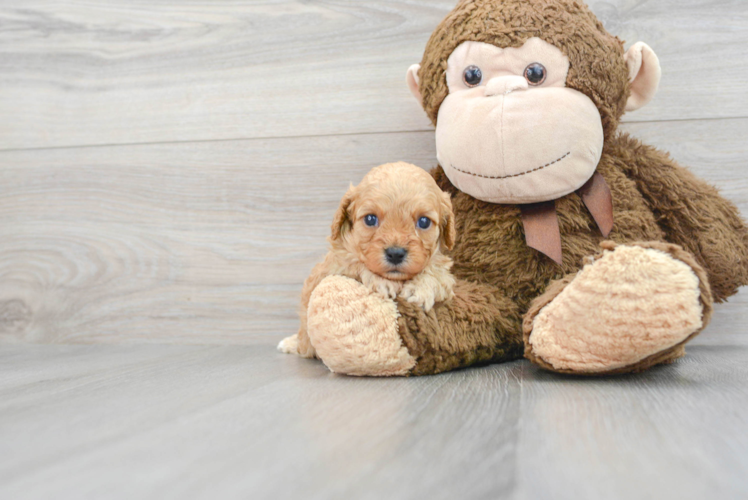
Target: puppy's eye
[[472, 76], [535, 74], [424, 223], [371, 220]]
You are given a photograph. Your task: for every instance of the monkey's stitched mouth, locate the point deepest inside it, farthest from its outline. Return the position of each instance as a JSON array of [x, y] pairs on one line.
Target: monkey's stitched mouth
[[498, 177]]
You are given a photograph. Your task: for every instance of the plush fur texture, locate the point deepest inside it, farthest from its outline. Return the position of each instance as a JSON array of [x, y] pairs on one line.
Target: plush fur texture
[[645, 183], [478, 326], [620, 308], [356, 332], [679, 318], [597, 70]]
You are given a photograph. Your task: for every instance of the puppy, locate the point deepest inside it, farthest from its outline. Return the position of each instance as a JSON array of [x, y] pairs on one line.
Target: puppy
[[388, 233]]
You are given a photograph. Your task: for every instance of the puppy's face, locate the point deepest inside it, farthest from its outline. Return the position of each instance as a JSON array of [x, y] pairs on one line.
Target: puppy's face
[[395, 221]]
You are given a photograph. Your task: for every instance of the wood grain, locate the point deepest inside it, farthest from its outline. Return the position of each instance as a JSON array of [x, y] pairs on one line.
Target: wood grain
[[223, 422], [209, 242], [204, 242], [123, 72], [671, 432], [91, 422]]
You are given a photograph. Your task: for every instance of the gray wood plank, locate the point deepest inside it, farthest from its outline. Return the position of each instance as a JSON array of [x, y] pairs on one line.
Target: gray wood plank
[[671, 432], [225, 422], [140, 72], [205, 242], [210, 242], [695, 40], [248, 422], [115, 72]]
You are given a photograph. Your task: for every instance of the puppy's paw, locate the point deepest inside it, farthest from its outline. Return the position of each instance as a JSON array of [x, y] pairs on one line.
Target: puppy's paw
[[419, 292], [445, 290], [289, 345], [388, 289], [434, 285]]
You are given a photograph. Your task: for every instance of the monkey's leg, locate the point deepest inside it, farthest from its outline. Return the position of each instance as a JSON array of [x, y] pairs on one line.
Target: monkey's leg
[[356, 332], [632, 307], [692, 214]]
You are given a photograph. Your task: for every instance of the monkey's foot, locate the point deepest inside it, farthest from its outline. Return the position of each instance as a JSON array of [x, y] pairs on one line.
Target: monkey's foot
[[355, 331], [632, 307]]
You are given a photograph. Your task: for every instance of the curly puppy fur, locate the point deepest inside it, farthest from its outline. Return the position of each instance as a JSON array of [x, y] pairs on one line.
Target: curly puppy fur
[[398, 194]]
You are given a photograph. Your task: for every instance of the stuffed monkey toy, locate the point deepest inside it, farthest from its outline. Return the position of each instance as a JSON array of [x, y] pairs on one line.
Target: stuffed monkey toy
[[578, 247]]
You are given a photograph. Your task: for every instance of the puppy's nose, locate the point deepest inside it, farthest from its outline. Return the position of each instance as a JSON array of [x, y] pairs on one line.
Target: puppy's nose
[[395, 255]]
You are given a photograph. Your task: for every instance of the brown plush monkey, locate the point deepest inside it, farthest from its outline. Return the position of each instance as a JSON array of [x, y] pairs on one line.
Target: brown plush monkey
[[577, 246]]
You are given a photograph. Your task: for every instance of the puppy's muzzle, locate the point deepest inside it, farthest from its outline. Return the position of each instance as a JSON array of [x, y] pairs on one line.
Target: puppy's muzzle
[[395, 255]]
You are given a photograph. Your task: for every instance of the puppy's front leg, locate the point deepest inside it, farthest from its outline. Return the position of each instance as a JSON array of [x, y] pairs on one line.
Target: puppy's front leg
[[433, 284]]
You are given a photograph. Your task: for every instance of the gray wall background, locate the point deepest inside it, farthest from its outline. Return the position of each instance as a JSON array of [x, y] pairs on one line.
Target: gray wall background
[[169, 170]]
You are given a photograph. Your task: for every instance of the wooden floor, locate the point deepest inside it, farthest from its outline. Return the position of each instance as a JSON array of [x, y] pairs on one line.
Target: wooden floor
[[123, 422], [168, 173]]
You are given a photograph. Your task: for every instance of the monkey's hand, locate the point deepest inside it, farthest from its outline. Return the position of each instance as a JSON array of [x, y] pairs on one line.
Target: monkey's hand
[[433, 284]]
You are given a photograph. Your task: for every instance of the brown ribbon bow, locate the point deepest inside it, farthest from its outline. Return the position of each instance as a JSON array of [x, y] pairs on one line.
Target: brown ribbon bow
[[541, 223]]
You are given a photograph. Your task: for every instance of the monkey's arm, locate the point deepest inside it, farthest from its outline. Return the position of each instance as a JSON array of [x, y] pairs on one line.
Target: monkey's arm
[[692, 214], [478, 325]]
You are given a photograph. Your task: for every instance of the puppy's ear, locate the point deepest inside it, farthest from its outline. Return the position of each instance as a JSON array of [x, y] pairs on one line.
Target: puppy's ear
[[342, 221], [447, 222]]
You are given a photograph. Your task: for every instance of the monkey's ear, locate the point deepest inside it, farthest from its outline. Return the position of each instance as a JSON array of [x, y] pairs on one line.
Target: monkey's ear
[[412, 80], [342, 222], [644, 75], [447, 223]]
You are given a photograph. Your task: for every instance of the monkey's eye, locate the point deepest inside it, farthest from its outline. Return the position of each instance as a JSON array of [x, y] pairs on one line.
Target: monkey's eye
[[424, 223], [535, 74], [472, 76], [371, 220]]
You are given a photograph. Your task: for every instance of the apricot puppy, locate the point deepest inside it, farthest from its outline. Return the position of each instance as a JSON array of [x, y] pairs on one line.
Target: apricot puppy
[[388, 233]]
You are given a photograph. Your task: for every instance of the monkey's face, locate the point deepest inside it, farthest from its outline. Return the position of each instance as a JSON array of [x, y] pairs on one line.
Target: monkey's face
[[510, 131], [519, 119]]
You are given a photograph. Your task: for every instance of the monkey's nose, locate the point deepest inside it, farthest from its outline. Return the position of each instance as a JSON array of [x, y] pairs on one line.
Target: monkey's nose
[[395, 255], [503, 85]]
